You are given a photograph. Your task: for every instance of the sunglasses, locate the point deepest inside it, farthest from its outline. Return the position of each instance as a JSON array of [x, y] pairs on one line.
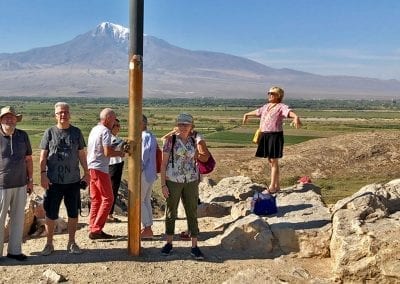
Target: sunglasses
[[271, 94], [62, 112]]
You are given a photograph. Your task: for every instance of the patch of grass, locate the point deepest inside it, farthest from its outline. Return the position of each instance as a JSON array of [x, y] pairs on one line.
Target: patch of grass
[[335, 189], [246, 138]]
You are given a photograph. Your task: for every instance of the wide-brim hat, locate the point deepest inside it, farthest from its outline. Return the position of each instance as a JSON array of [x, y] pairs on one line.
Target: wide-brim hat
[[8, 109], [184, 118]]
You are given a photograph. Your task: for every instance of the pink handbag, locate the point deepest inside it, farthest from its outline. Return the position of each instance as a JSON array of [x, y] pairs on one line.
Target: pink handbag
[[206, 167]]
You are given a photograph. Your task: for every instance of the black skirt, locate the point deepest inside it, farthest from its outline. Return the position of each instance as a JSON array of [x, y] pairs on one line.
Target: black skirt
[[270, 145]]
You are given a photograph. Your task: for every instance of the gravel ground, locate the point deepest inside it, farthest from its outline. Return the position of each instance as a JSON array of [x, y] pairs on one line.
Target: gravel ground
[[106, 261]]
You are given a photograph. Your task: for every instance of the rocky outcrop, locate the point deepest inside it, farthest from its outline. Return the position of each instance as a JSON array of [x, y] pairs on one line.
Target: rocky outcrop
[[359, 233], [365, 241], [302, 224]]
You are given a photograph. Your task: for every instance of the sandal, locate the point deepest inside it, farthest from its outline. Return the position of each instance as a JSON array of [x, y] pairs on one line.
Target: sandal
[[271, 191], [185, 236]]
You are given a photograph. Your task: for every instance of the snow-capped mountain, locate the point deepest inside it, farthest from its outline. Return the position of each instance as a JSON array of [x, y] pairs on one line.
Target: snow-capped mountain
[[96, 64], [117, 32], [104, 47]]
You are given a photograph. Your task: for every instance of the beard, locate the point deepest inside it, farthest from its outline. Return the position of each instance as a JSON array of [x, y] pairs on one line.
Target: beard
[[8, 128]]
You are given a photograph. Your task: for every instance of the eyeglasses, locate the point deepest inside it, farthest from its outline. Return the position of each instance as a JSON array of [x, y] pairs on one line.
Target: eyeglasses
[[62, 112]]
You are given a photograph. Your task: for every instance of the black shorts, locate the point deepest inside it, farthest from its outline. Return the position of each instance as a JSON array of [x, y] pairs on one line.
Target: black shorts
[[270, 145], [53, 196]]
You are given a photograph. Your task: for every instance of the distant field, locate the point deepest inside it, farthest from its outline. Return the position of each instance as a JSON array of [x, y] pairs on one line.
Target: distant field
[[221, 124]]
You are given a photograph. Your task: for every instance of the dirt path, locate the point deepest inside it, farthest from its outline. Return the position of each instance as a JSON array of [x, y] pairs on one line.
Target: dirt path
[[108, 261]]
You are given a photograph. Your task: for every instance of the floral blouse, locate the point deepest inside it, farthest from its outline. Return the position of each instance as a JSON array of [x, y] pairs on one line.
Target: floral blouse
[[272, 117], [184, 168]]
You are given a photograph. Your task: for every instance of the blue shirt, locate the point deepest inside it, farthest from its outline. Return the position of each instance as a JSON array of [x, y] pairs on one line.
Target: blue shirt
[[149, 145]]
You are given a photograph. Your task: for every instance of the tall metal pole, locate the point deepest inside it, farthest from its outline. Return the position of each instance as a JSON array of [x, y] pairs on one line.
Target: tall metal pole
[[136, 11]]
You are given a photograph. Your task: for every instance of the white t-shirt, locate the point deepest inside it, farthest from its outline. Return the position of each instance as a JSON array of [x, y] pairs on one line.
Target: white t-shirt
[[99, 137], [116, 143]]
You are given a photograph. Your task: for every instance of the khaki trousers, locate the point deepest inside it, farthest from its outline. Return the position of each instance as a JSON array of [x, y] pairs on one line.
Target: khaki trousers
[[13, 199], [189, 192]]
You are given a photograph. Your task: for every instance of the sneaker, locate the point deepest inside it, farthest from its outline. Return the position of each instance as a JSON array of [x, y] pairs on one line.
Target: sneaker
[[73, 248], [48, 249], [196, 253], [106, 236], [167, 249], [146, 234], [19, 257]]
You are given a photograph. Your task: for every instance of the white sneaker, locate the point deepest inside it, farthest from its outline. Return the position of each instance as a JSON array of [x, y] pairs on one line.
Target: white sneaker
[[73, 248], [48, 249]]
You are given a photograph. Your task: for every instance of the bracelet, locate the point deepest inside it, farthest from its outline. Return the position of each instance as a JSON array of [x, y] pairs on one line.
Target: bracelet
[[43, 172], [163, 185]]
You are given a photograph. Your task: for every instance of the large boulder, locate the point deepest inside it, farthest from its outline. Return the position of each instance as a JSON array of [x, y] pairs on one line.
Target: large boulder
[[218, 200], [365, 240], [303, 222], [250, 234], [233, 189]]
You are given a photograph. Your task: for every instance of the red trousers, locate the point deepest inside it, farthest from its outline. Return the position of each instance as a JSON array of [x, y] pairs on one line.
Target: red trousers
[[102, 199]]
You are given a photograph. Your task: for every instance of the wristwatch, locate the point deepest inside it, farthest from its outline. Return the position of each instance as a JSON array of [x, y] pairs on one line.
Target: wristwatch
[[30, 179]]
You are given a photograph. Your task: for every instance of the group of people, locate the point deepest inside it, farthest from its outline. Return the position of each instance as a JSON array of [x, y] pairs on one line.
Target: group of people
[[63, 152]]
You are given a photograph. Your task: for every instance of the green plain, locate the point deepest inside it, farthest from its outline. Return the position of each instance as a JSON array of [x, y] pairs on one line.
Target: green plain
[[220, 121]]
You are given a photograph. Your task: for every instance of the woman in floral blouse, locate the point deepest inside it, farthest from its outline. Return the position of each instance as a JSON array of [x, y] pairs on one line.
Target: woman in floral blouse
[[180, 179]]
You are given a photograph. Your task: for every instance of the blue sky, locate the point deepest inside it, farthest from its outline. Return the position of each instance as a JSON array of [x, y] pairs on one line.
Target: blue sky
[[335, 37]]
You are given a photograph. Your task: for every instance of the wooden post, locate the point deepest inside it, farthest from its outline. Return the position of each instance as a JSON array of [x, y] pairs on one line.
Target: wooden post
[[134, 119]]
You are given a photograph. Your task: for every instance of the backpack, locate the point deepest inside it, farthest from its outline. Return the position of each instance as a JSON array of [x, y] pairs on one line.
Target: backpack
[[172, 147], [264, 204]]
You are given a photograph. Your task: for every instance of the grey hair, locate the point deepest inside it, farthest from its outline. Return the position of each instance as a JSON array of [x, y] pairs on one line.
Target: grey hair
[[61, 105], [105, 113]]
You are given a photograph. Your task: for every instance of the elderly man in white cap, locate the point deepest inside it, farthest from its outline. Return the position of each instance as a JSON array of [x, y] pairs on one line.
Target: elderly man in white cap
[[16, 169]]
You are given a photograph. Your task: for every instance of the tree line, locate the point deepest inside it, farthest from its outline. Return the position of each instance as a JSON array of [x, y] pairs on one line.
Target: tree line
[[312, 104]]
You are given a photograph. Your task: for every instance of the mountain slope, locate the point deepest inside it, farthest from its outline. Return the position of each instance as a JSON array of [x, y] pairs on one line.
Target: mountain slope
[[95, 63]]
